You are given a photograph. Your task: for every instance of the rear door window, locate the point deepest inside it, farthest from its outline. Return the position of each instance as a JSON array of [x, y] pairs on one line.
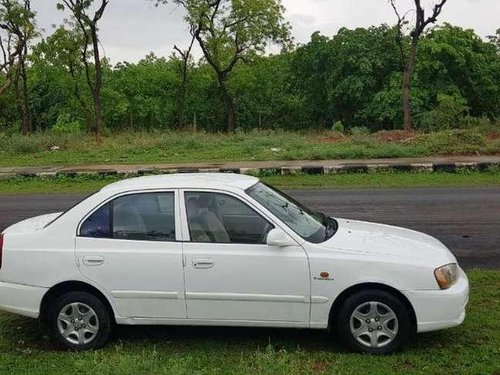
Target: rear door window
[[140, 217]]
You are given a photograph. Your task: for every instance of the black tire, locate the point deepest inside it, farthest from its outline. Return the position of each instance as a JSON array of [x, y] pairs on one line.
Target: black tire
[[101, 316], [361, 300]]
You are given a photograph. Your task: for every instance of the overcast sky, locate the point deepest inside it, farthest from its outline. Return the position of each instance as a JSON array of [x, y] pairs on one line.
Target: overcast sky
[[131, 29]]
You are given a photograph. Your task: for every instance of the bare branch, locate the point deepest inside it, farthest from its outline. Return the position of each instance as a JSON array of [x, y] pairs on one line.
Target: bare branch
[[400, 38]]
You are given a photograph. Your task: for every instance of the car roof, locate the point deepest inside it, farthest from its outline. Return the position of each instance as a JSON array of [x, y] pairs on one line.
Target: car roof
[[185, 181]]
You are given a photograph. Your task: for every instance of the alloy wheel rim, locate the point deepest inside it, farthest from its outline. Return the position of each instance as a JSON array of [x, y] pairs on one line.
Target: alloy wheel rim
[[374, 324], [78, 323]]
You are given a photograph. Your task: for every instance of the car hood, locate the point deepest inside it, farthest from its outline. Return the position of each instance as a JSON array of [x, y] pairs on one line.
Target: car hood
[[33, 224], [389, 241]]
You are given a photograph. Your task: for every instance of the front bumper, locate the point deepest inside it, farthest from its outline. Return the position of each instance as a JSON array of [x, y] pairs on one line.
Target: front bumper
[[440, 309], [21, 299]]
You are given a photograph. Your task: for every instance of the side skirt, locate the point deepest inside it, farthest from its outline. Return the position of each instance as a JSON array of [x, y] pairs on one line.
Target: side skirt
[[220, 323]]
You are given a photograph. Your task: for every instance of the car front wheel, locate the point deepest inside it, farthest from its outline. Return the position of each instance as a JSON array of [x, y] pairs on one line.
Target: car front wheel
[[80, 321], [374, 321]]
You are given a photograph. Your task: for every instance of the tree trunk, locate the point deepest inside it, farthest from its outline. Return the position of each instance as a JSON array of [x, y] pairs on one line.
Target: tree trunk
[[181, 100], [96, 93], [5, 86], [229, 104], [22, 109], [25, 93], [89, 118], [407, 77], [181, 94], [98, 116], [21, 95]]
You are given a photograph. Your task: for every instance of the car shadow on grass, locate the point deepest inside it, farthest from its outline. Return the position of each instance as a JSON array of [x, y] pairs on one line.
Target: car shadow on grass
[[21, 334]]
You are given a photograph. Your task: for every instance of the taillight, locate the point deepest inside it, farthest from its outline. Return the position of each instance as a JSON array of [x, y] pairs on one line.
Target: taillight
[[1, 248]]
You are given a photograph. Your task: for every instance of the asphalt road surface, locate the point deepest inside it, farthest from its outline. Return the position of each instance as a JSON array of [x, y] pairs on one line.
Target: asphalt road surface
[[467, 220]]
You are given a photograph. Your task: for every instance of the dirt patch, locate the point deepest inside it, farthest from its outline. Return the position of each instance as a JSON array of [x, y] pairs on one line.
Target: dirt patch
[[396, 136], [493, 136], [320, 367], [332, 139]]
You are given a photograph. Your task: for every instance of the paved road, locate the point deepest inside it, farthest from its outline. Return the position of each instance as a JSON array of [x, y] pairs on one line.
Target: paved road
[[467, 220]]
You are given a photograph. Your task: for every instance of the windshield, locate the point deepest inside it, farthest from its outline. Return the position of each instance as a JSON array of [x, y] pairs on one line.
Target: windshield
[[311, 226]]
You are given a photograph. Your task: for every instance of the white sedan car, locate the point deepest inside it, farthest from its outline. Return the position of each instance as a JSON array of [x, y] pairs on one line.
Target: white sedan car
[[225, 250]]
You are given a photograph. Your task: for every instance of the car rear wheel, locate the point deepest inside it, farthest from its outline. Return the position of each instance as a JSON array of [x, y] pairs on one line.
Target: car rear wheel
[[374, 321], [80, 321]]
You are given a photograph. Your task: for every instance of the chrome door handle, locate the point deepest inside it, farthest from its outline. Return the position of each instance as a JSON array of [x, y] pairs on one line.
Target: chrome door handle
[[203, 263], [93, 261]]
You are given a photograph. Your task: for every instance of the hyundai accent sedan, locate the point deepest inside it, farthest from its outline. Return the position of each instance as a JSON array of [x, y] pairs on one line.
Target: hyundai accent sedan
[[225, 250]]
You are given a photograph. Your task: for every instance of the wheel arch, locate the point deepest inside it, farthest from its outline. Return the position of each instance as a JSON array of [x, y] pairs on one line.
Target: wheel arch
[[72, 286], [366, 286]]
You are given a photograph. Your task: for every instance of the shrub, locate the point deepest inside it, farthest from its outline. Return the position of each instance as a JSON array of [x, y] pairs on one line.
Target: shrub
[[478, 123], [359, 130], [66, 125], [448, 113], [338, 127], [459, 141], [22, 145]]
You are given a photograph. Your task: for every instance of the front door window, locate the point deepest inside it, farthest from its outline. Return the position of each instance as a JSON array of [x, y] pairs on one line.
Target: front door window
[[221, 218]]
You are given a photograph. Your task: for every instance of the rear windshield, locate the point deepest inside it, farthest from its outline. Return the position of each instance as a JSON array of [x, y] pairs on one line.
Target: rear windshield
[[69, 209]]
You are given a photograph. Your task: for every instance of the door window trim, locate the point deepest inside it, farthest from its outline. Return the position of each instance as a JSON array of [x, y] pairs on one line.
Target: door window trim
[[110, 199]]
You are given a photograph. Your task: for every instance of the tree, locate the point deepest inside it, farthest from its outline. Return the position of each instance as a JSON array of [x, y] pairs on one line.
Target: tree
[[10, 42], [149, 88], [89, 30], [62, 51], [459, 64], [264, 96], [17, 23], [230, 31], [495, 39], [421, 23], [183, 59], [340, 78]]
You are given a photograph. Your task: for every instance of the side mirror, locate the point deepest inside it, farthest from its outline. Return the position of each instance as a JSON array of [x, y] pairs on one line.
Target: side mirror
[[278, 238]]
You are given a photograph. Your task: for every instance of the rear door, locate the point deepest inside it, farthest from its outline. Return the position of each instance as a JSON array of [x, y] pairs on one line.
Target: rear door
[[130, 247]]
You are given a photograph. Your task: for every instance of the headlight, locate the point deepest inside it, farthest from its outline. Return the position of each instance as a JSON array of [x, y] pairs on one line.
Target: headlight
[[447, 275]]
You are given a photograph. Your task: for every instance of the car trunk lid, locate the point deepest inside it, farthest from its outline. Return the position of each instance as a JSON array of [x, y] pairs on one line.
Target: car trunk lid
[[33, 224]]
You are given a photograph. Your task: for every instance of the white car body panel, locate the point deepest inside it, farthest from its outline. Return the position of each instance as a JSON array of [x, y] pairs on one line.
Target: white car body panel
[[234, 285], [144, 278], [245, 282]]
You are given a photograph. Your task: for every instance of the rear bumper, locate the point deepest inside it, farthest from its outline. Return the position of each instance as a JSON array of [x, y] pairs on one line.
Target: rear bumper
[[440, 309], [21, 299]]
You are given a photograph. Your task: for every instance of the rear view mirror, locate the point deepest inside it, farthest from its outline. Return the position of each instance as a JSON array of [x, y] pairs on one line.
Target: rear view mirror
[[278, 238]]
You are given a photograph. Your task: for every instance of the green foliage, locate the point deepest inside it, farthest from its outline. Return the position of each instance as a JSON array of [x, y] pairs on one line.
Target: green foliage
[[142, 95], [448, 113], [229, 32], [339, 78], [350, 80], [167, 146], [258, 89], [359, 130], [338, 127], [355, 77], [66, 125], [93, 182], [458, 141], [458, 63]]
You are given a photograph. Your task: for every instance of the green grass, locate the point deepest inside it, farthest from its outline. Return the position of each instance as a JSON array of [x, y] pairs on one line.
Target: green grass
[[183, 147], [473, 348], [26, 185], [386, 180]]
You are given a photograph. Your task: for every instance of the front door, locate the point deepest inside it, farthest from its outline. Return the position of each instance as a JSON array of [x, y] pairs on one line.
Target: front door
[[129, 247], [231, 273]]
